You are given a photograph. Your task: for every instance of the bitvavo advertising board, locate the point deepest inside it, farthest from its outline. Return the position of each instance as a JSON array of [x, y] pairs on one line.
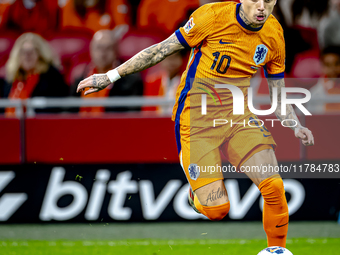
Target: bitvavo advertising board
[[140, 192]]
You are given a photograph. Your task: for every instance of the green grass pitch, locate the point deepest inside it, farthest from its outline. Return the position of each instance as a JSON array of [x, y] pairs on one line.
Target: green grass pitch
[[197, 238], [329, 246]]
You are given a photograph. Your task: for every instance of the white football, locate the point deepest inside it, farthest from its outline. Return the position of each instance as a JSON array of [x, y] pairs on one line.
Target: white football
[[275, 250]]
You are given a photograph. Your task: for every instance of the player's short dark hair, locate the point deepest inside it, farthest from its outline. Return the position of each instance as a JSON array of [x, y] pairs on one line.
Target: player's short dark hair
[[331, 50]]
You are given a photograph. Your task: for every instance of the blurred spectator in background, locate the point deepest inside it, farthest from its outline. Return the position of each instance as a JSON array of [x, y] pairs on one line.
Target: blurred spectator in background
[[94, 15], [165, 82], [308, 13], [331, 33], [301, 20], [330, 83], [38, 16], [4, 5], [2, 87], [31, 71], [164, 16], [104, 58], [295, 43]]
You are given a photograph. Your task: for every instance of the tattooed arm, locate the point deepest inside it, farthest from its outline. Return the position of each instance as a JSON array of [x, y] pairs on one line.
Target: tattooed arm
[[291, 119], [141, 61], [150, 56]]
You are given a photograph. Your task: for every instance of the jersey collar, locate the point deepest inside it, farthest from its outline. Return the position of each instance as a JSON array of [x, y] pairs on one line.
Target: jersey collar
[[241, 22]]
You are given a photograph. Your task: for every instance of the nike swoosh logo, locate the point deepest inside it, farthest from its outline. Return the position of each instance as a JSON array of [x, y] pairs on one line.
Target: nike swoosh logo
[[266, 135], [221, 42], [279, 226]]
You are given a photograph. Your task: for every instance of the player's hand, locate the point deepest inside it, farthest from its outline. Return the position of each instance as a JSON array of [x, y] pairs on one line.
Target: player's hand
[[95, 82], [305, 135]]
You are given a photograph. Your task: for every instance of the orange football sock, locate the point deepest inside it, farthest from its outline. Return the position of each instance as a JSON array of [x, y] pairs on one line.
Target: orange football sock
[[275, 211], [217, 212]]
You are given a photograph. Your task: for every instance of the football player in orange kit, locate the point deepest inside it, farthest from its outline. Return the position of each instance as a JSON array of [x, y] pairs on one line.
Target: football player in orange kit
[[229, 41]]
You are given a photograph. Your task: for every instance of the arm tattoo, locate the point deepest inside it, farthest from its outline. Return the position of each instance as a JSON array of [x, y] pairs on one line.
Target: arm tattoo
[[150, 56], [290, 113], [215, 195], [101, 81]]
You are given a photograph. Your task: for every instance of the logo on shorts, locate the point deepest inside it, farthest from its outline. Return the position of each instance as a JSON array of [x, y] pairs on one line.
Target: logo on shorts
[[260, 54], [194, 171], [189, 25]]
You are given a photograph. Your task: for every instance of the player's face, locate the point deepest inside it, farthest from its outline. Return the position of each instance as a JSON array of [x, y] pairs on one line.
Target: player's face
[[258, 11]]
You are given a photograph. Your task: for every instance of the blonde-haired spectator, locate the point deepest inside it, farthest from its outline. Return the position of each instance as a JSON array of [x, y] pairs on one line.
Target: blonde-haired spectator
[[31, 70]]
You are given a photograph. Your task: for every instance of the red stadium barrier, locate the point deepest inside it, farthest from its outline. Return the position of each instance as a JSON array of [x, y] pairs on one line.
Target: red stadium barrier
[[100, 140], [326, 133], [11, 142], [132, 138]]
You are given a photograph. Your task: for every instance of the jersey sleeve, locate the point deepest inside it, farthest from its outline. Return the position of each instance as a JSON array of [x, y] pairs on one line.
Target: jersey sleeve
[[275, 68], [198, 27]]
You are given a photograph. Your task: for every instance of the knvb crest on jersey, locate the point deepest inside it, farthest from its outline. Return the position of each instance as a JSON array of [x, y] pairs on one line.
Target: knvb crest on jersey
[[194, 172], [189, 25], [260, 54]]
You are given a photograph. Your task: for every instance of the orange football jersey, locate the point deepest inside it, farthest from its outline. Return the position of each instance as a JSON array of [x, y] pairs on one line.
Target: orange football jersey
[[225, 51]]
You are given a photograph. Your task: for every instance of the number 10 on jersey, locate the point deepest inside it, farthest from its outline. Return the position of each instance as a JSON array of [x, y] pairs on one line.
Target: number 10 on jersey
[[223, 58]]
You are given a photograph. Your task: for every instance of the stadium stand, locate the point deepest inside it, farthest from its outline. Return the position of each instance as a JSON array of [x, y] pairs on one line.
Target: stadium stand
[[7, 39], [72, 47], [103, 14]]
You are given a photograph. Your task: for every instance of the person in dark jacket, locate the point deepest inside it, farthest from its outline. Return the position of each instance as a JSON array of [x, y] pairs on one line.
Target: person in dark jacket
[[31, 71], [104, 58]]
